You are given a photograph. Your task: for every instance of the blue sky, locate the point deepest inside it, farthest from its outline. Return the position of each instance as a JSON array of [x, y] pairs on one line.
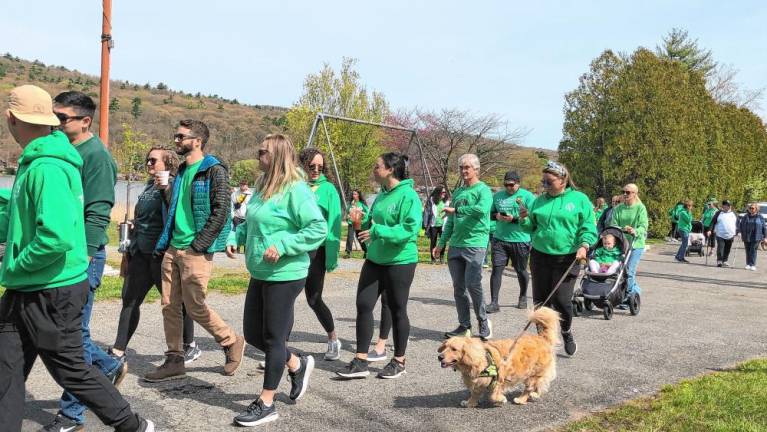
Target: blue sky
[[513, 58]]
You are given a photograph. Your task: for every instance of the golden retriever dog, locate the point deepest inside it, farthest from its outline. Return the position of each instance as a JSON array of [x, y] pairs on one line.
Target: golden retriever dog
[[531, 361]]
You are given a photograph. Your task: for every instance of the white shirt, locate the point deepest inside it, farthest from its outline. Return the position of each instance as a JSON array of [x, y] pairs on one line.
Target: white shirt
[[242, 198], [726, 225]]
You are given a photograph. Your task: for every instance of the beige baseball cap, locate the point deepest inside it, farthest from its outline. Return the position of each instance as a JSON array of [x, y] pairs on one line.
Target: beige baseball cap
[[33, 105]]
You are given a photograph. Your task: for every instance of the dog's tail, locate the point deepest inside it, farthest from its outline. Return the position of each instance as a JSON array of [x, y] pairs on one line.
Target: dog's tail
[[547, 321]]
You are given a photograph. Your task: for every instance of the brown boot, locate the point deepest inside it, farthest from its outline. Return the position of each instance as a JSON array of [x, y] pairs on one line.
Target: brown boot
[[234, 353], [173, 368]]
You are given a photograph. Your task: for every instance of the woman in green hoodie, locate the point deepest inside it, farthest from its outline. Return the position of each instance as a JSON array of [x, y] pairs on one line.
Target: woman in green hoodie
[[391, 230], [684, 226], [562, 228], [358, 200], [325, 258], [282, 224]]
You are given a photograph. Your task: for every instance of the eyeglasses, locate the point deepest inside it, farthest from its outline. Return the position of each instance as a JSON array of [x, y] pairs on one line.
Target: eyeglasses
[[151, 161], [262, 152], [179, 137], [63, 118], [316, 167]]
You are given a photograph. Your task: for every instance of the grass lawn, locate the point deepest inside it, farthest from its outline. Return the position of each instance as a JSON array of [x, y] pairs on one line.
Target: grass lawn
[[731, 400]]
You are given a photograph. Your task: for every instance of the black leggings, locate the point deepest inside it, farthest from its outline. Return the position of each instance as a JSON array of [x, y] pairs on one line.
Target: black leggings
[[546, 271], [395, 281], [267, 321], [315, 283], [434, 233], [519, 254], [384, 326], [144, 272], [350, 240]]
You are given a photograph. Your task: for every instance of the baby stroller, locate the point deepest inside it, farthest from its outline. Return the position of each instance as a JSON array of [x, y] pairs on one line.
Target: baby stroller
[[696, 240], [606, 290]]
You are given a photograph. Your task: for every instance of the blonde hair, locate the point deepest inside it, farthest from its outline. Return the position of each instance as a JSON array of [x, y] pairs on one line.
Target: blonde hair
[[283, 167]]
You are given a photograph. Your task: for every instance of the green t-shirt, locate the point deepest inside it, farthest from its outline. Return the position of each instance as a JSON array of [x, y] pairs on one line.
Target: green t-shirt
[[503, 202], [184, 229]]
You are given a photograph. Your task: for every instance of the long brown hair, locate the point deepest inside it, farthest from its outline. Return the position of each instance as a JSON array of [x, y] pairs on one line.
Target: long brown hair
[[169, 158], [283, 168]]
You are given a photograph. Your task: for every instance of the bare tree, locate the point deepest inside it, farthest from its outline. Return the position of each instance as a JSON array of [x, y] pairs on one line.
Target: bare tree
[[725, 89]]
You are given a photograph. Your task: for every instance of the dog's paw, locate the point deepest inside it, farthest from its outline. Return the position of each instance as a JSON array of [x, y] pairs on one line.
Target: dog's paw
[[520, 401], [535, 395]]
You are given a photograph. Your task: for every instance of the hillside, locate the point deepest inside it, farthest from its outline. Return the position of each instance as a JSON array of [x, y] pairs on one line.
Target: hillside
[[235, 127]]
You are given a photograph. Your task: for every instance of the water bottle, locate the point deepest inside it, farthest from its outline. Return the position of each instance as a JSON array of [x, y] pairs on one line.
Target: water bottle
[[124, 237]]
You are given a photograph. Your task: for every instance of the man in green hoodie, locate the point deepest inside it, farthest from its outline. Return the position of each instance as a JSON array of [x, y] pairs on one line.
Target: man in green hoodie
[[98, 172], [467, 230], [45, 275]]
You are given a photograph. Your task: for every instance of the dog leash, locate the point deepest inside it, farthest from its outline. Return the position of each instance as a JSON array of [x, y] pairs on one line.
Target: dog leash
[[527, 326]]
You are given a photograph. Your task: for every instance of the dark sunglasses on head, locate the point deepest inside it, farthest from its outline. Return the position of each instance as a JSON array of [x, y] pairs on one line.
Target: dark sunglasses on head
[[65, 118], [316, 167], [151, 161]]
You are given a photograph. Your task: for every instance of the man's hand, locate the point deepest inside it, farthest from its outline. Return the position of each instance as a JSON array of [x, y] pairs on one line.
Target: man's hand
[[231, 251], [437, 251], [522, 213], [504, 218], [271, 255], [363, 236]]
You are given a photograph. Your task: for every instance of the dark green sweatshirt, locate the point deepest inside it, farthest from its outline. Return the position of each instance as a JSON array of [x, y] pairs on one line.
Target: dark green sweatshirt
[[394, 222], [330, 205], [43, 228], [99, 175]]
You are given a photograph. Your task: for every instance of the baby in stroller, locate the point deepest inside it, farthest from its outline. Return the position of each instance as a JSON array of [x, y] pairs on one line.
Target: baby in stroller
[[607, 258]]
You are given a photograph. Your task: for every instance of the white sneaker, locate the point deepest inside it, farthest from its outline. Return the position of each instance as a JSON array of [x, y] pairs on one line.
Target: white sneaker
[[748, 267], [334, 350], [753, 268]]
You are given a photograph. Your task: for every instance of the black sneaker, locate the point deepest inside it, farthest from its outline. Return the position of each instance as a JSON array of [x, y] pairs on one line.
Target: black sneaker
[[522, 304], [492, 308], [392, 370], [485, 329], [299, 380], [62, 423], [570, 347], [459, 331], [145, 425], [357, 368], [257, 414]]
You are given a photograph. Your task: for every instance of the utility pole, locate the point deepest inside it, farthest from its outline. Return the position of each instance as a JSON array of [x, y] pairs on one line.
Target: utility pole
[[106, 46]]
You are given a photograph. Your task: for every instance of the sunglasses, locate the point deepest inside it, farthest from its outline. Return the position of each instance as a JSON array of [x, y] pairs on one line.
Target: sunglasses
[[63, 118], [262, 152], [510, 184], [627, 192], [151, 161], [179, 137], [316, 167]]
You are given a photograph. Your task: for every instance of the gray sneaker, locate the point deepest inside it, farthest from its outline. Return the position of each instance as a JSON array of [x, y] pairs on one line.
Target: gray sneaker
[[334, 350], [375, 356], [191, 352]]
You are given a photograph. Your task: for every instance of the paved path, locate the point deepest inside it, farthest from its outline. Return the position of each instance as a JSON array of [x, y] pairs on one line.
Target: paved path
[[694, 319]]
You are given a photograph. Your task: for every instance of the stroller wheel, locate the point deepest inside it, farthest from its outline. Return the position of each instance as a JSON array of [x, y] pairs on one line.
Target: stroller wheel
[[608, 311], [588, 305], [635, 303], [576, 309]]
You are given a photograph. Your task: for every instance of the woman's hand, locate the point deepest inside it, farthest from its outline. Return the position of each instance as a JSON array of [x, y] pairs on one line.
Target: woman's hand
[[271, 255], [449, 210], [355, 215], [363, 236], [230, 251], [581, 254], [437, 251], [630, 230]]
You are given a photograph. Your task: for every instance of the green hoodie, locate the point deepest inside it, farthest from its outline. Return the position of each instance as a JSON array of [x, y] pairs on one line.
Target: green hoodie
[[561, 224], [330, 205], [635, 216], [394, 222], [292, 222], [684, 223], [44, 227], [708, 216], [506, 203], [469, 226], [360, 205]]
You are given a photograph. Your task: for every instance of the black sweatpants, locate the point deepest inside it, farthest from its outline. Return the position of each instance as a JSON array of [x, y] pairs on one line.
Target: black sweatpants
[[144, 272], [48, 324], [546, 271], [519, 254], [395, 281], [315, 283], [723, 247], [267, 321], [350, 235]]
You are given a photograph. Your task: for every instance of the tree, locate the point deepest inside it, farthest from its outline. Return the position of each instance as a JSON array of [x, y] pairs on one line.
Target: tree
[[114, 105], [136, 107], [129, 150], [162, 86], [341, 93], [246, 170], [677, 46]]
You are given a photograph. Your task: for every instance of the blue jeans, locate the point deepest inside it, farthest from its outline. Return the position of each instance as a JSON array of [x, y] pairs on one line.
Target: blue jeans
[[682, 247], [750, 247], [69, 405], [631, 271], [465, 265]]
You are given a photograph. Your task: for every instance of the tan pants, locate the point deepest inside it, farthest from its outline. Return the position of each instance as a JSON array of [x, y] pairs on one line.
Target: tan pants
[[185, 276]]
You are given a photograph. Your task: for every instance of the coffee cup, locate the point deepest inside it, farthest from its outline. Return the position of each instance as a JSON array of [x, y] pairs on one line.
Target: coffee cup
[[162, 177]]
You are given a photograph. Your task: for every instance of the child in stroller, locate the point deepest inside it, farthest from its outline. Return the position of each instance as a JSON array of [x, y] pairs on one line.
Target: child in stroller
[[607, 258], [607, 290]]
